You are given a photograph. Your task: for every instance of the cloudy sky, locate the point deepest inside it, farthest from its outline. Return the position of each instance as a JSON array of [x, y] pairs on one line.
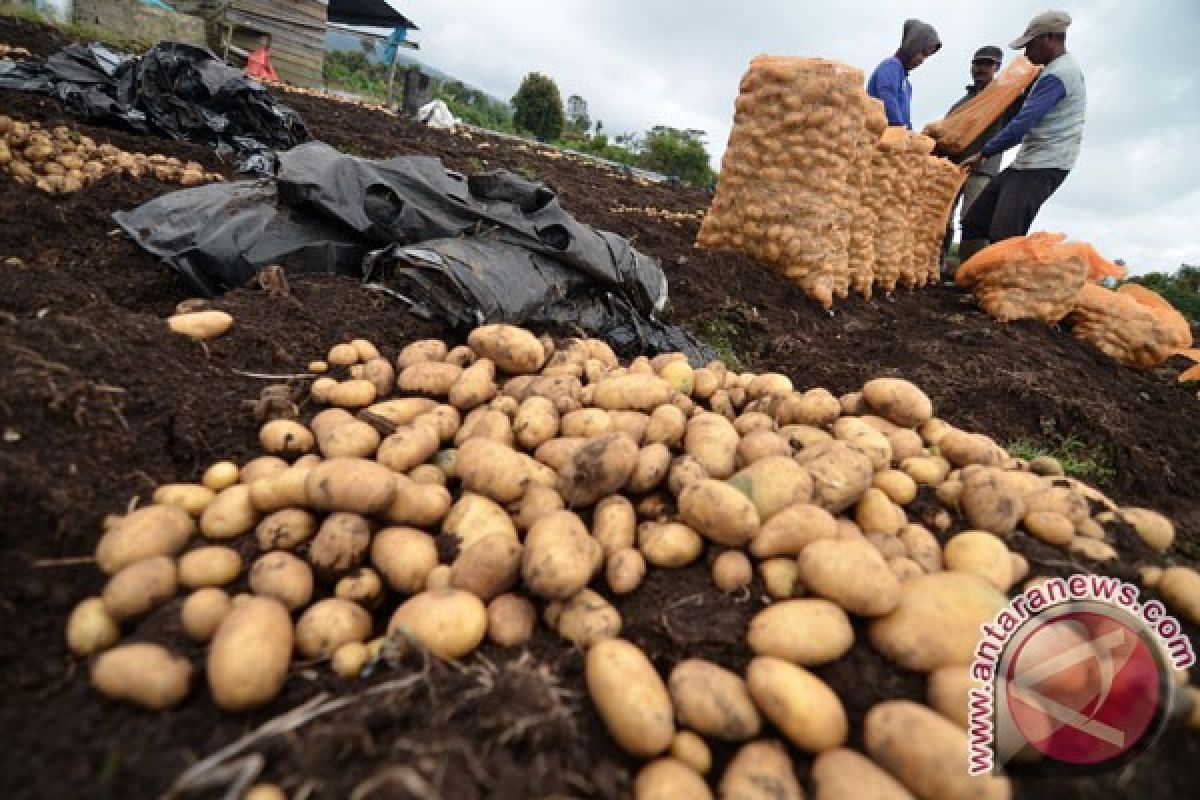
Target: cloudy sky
[[1135, 191]]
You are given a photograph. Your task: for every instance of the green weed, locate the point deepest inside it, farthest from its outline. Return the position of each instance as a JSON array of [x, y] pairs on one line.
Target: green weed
[[1092, 464]]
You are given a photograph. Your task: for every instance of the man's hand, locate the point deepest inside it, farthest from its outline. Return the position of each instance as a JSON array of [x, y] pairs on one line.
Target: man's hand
[[972, 163]]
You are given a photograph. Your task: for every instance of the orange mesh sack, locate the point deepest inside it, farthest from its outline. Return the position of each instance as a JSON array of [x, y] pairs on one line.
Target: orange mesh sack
[[958, 130], [1026, 277], [1133, 324], [931, 206]]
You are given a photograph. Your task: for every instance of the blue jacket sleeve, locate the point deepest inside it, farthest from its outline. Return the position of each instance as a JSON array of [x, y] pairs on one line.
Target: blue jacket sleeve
[[888, 86], [1045, 95]]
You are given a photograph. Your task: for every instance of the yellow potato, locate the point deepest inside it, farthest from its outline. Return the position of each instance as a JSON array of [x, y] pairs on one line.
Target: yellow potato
[[669, 544], [420, 352], [1180, 589], [732, 571], [362, 586], [712, 441], [844, 774], [492, 469], [209, 566], [431, 379], [624, 570], [399, 411], [876, 513], [474, 517], [404, 557], [899, 487], [141, 587], [980, 553], [650, 470], [922, 547], [1050, 526], [926, 470], [992, 501], [220, 476], [852, 574], [684, 470], [487, 567], [201, 324], [598, 468], [792, 529], [343, 354], [630, 697], [262, 468], [773, 484], [961, 448], [409, 447], [855, 431], [584, 619], [669, 779], [713, 701], [807, 632], [719, 511], [354, 485], [560, 556], [348, 438], [486, 423], [898, 401], [1153, 528], [203, 612], [354, 393], [329, 624], [146, 674], [283, 577], [350, 659], [510, 620], [926, 752], [462, 356], [90, 628], [585, 423], [691, 750], [614, 524], [840, 472], [285, 529], [286, 436], [781, 577], [230, 514], [631, 393], [191, 497], [800, 704], [761, 770], [161, 530], [514, 350], [948, 692], [536, 422], [450, 623], [417, 504], [250, 654], [666, 426], [815, 407]]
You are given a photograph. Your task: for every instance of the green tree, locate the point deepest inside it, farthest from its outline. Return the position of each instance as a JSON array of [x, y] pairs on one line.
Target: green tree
[[577, 115], [677, 153], [1180, 288], [538, 108]]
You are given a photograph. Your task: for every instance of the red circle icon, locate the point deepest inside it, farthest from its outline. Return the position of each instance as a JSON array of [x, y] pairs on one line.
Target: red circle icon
[[1083, 687]]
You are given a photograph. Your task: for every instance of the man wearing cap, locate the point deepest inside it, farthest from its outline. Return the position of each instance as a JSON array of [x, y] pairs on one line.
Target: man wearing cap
[[889, 82], [1049, 128]]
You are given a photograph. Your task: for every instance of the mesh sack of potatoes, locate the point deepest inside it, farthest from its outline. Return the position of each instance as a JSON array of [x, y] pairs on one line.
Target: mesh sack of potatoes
[[785, 194], [932, 205], [865, 201], [964, 125], [1033, 277], [1132, 324], [895, 176]]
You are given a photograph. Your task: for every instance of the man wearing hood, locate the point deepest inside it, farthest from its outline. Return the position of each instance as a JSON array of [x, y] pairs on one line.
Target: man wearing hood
[[1049, 129], [889, 81]]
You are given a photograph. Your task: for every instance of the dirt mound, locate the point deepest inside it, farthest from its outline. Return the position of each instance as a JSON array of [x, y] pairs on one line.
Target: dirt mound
[[98, 405]]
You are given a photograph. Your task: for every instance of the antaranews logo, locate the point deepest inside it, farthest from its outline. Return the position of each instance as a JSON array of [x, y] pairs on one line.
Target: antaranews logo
[[1079, 670]]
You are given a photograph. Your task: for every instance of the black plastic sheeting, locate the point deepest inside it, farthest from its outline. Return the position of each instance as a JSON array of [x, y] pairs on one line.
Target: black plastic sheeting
[[491, 247], [175, 90]]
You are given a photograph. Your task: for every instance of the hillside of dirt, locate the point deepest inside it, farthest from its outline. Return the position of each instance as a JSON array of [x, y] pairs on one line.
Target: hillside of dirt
[[98, 406]]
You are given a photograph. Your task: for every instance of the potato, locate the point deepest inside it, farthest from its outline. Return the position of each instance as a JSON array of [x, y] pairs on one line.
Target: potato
[[209, 566], [692, 751], [585, 423], [961, 448], [283, 577], [712, 441], [855, 431], [926, 752], [404, 557], [250, 654], [438, 578], [669, 544], [815, 407], [486, 423], [287, 489], [409, 447], [421, 352], [536, 422], [200, 325], [631, 393], [343, 354], [510, 620], [630, 697], [203, 612], [354, 485], [851, 573], [925, 470], [560, 556], [461, 356], [329, 624], [220, 475], [141, 587], [1153, 528], [840, 472], [937, 620], [888, 545], [781, 577], [624, 570], [876, 513], [761, 770], [430, 379], [948, 691], [668, 779], [146, 674], [753, 422], [845, 774], [899, 487], [488, 567], [363, 586], [474, 517], [597, 469], [354, 393], [191, 497], [905, 444], [650, 470], [790, 530], [262, 468], [450, 623], [1093, 549], [319, 389], [339, 545], [684, 470], [1050, 526], [286, 436], [732, 571], [285, 529], [773, 484], [980, 553], [513, 350], [536, 502], [719, 511], [91, 628], [898, 401], [557, 453], [350, 660], [492, 469], [713, 701], [666, 426], [799, 437], [800, 704], [584, 619], [808, 632], [399, 411], [758, 445], [1180, 590], [417, 504], [614, 524], [922, 547], [161, 530], [351, 438]]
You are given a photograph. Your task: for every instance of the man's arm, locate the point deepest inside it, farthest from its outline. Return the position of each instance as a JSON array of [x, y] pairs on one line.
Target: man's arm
[[1045, 95], [889, 88]]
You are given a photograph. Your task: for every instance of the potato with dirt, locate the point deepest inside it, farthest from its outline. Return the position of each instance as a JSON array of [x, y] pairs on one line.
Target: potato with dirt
[[250, 654], [713, 701], [513, 350], [773, 484], [340, 545], [404, 557], [712, 441], [851, 573], [328, 624], [669, 544], [598, 468], [354, 485], [898, 401], [792, 529], [584, 619], [761, 770], [283, 577], [492, 469], [488, 567], [559, 557], [719, 511], [162, 530], [630, 697], [841, 473]]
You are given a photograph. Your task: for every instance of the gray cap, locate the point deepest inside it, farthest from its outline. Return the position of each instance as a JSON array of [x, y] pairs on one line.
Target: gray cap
[[990, 53], [1046, 22]]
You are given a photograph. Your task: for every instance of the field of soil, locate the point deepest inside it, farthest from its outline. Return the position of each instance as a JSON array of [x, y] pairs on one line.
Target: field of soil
[[98, 405]]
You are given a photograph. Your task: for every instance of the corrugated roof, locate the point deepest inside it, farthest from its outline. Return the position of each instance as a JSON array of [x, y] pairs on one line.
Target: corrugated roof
[[371, 13]]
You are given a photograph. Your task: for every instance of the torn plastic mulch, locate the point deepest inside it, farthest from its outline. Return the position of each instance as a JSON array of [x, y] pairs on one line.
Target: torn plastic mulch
[[491, 247], [175, 90]]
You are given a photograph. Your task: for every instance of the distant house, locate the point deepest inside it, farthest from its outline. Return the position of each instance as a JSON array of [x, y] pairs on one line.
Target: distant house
[[296, 29]]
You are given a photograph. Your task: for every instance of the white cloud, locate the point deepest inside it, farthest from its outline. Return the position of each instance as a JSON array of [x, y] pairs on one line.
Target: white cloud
[[674, 62]]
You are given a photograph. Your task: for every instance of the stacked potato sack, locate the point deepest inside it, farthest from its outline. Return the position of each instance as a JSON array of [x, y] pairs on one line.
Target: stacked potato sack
[[60, 161], [563, 477], [866, 200], [897, 168], [784, 195], [932, 204], [1038, 276], [1134, 325]]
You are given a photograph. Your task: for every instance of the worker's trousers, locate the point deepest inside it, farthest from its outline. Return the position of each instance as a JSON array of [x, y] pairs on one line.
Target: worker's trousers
[[1008, 205]]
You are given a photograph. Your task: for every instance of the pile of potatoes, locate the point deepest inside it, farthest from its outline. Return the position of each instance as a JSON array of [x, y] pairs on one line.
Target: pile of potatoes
[[11, 53], [330, 96], [815, 185], [60, 161], [561, 477], [658, 213]]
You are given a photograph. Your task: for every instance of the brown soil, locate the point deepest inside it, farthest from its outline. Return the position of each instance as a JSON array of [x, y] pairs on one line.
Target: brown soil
[[97, 406]]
